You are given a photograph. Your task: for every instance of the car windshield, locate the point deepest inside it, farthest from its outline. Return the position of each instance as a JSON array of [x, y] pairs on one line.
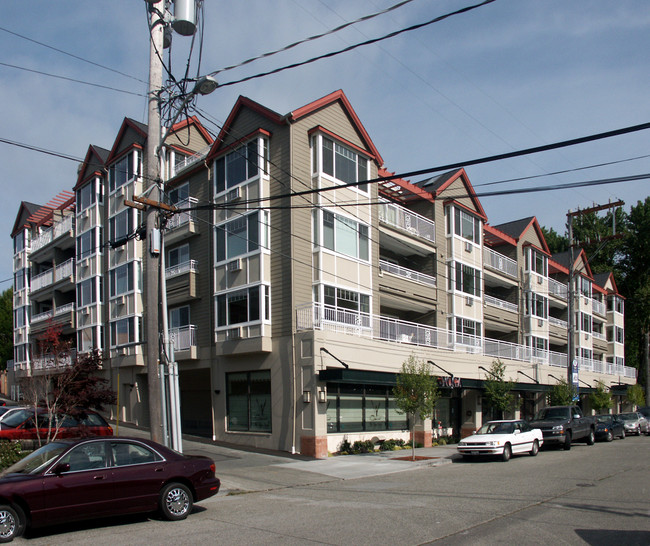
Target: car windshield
[[497, 428], [629, 416], [16, 418], [603, 418], [37, 460], [553, 414]]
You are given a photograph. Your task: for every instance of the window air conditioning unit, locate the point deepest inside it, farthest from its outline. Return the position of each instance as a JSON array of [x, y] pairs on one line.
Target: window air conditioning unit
[[468, 246], [469, 301], [85, 214], [234, 265], [122, 351], [234, 333], [233, 195], [539, 280], [120, 300], [85, 311], [540, 322]]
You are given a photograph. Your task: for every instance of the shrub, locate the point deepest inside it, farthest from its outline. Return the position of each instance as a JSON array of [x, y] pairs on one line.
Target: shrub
[[10, 453], [345, 447], [363, 446], [388, 445]]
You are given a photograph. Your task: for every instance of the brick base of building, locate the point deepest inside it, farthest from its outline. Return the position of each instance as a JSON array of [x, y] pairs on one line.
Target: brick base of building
[[314, 446], [424, 437]]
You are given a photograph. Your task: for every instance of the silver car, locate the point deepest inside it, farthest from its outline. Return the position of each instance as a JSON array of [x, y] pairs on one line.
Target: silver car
[[635, 423]]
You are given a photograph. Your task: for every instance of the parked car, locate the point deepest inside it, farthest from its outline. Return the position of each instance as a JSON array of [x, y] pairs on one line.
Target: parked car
[[635, 423], [5, 411], [609, 427], [645, 411], [565, 424], [503, 438], [95, 477], [21, 425]]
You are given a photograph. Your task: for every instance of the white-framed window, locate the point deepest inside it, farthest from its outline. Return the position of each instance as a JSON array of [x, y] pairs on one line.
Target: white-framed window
[[179, 255], [87, 242], [537, 343], [465, 278], [179, 194], [19, 242], [536, 262], [241, 164], [616, 304], [345, 299], [620, 334], [21, 352], [242, 235], [88, 339], [19, 317], [467, 226], [343, 235], [586, 322], [124, 279], [19, 280], [121, 225], [584, 285], [340, 162], [124, 170], [536, 305], [179, 317], [243, 306], [467, 327], [89, 194], [125, 330], [86, 292], [587, 354]]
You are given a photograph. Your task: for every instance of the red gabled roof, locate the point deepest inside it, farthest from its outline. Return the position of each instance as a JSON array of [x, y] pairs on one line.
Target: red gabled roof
[[192, 120], [493, 237], [460, 173], [97, 163]]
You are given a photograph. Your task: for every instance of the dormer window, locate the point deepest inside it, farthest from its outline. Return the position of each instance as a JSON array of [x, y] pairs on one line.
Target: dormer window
[[537, 262], [467, 226], [240, 165], [124, 170], [340, 162]]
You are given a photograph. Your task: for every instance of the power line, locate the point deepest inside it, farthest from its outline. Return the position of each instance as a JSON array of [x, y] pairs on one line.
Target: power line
[[311, 38], [72, 55], [72, 80], [40, 150], [361, 44]]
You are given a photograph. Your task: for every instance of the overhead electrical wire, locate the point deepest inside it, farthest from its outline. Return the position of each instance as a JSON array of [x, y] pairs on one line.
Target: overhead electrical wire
[[41, 73], [311, 38], [72, 55], [358, 45]]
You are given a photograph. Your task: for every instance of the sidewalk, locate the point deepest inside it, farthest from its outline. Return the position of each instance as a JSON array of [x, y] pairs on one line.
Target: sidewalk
[[244, 470]]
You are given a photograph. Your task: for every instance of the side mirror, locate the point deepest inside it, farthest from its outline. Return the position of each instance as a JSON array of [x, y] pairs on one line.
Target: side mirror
[[473, 432], [61, 468], [517, 431]]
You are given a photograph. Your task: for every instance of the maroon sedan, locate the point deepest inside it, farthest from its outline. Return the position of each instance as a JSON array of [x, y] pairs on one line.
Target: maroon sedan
[[96, 477]]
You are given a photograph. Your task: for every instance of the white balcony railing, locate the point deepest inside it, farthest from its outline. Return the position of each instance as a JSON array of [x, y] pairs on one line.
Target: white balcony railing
[[408, 221], [501, 304], [182, 218], [190, 160], [49, 362], [315, 316], [183, 338], [558, 322], [185, 267], [501, 263], [64, 270], [558, 289], [41, 280], [61, 227], [598, 307], [66, 308], [400, 271], [45, 315]]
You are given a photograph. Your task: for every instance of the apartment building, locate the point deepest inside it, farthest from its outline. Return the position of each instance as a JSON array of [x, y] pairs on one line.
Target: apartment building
[[296, 289]]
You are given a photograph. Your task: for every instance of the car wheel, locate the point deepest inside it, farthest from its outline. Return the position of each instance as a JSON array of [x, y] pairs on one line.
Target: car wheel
[[591, 439], [609, 436], [12, 523], [535, 450], [567, 441], [175, 501], [507, 453]]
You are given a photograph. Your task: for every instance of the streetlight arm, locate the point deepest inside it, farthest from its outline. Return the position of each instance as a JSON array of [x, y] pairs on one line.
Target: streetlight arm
[[440, 367]]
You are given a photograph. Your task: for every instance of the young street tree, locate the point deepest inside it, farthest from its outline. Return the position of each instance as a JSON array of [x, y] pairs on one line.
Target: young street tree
[[601, 399], [498, 391], [561, 394], [416, 393], [635, 395]]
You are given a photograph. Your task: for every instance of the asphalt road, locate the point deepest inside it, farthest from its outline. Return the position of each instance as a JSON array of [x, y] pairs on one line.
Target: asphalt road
[[590, 495]]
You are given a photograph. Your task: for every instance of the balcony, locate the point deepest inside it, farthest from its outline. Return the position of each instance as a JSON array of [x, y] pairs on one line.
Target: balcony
[[52, 362], [182, 218], [405, 273], [51, 276], [598, 307], [315, 316], [62, 227], [189, 161], [501, 304], [191, 266], [407, 221], [183, 338], [558, 289], [501, 263], [558, 322]]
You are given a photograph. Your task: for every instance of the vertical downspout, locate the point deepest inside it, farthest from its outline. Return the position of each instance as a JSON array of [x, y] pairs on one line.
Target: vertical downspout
[[293, 305]]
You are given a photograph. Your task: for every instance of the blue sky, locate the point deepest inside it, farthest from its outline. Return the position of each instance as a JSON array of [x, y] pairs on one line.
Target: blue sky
[[510, 75]]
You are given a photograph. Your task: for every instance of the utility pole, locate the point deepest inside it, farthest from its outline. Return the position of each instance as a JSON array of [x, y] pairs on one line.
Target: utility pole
[[572, 361], [152, 261]]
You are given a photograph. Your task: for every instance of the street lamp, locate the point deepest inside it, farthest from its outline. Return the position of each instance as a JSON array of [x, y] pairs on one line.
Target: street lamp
[[440, 367], [556, 379], [528, 376], [489, 372]]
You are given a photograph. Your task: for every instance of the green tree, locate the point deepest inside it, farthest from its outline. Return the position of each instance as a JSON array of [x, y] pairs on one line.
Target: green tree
[[635, 395], [498, 391], [416, 393], [601, 399], [6, 327], [556, 243], [561, 394]]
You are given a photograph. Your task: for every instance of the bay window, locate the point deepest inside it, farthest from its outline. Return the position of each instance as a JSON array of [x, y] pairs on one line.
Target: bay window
[[243, 306], [467, 279], [124, 170], [87, 243], [241, 235], [537, 262], [89, 194], [536, 305], [241, 164], [86, 292], [123, 331], [178, 256], [121, 225], [467, 226], [341, 162], [124, 278]]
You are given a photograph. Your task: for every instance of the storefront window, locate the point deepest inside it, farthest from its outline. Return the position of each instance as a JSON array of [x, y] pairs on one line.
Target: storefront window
[[249, 401]]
